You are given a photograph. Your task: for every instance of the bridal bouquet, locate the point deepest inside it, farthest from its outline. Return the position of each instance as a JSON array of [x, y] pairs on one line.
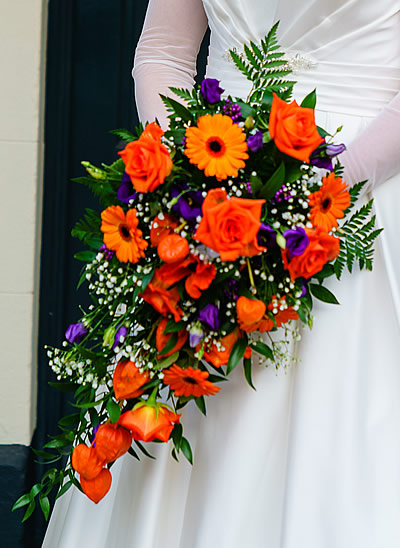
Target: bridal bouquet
[[213, 238]]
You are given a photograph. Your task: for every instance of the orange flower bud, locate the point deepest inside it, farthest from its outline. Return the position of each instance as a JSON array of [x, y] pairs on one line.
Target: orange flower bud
[[173, 248], [249, 312], [86, 461], [112, 441], [162, 338], [128, 380], [147, 424], [220, 357], [98, 487]]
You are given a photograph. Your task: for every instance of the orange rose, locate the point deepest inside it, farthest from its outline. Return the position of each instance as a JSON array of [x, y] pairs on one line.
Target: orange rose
[[230, 227], [200, 279], [164, 300], [163, 338], [147, 160], [322, 248], [128, 380], [293, 129], [112, 441], [97, 488], [221, 357], [147, 424], [249, 313], [86, 462]]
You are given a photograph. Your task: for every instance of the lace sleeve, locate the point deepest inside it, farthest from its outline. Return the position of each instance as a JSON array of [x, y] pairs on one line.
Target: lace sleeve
[[375, 154], [166, 53]]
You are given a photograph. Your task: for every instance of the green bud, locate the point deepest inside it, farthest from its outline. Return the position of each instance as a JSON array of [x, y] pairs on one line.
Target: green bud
[[94, 171], [249, 123], [281, 241], [109, 336]]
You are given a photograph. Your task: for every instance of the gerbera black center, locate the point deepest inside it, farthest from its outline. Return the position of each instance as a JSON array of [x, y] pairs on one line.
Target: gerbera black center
[[326, 204], [215, 146], [190, 380], [124, 231]]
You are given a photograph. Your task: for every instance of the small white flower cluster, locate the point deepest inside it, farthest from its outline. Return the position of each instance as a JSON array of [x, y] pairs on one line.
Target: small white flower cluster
[[66, 367]]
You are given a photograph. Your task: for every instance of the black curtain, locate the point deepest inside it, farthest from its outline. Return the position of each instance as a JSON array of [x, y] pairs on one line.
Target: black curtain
[[89, 91]]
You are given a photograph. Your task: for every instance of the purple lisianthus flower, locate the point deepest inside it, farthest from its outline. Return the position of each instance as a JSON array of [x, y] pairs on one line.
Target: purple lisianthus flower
[[76, 332], [195, 335], [120, 334], [266, 236], [189, 204], [255, 142], [209, 316], [125, 192], [211, 90], [296, 240], [322, 156]]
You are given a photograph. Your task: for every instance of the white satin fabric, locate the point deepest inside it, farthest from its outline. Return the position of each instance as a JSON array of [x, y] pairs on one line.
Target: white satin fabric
[[310, 460]]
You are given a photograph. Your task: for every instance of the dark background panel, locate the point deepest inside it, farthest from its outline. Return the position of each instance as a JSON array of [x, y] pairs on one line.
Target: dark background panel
[[89, 91]]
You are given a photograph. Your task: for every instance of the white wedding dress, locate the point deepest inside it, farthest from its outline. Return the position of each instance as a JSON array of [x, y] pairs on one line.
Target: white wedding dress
[[312, 459]]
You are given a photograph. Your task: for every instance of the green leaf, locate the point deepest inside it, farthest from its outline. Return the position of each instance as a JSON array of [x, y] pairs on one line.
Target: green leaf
[[124, 134], [113, 410], [29, 511], [186, 449], [56, 444], [21, 502], [64, 489], [201, 404], [263, 349], [322, 132], [274, 183], [310, 101], [133, 453], [45, 506], [166, 362], [237, 352], [64, 386], [177, 108], [176, 435], [144, 451], [85, 256], [247, 372], [322, 293], [171, 343], [173, 326], [246, 110]]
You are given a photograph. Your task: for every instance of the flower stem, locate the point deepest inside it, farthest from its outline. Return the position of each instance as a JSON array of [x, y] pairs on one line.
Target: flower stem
[[253, 285]]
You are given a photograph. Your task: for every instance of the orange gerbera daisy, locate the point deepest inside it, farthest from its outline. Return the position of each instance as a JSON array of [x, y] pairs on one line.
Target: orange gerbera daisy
[[189, 382], [122, 235], [329, 203], [216, 145]]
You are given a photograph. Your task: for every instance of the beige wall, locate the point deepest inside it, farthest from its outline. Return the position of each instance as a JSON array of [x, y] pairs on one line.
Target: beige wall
[[22, 52]]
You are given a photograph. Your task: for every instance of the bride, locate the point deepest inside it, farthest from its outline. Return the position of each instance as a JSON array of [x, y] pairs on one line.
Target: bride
[[311, 460]]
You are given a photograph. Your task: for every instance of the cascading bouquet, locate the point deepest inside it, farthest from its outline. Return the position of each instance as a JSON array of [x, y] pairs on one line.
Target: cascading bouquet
[[214, 235]]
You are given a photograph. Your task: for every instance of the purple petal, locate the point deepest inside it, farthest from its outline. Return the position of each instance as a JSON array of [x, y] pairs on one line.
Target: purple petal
[[255, 142], [121, 333], [209, 316], [296, 240], [211, 90], [76, 332]]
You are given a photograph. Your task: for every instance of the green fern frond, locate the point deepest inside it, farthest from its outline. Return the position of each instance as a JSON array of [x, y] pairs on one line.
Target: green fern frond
[[358, 236], [88, 229]]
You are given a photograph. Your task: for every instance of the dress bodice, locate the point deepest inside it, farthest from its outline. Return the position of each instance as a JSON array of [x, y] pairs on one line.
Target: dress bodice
[[353, 46]]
